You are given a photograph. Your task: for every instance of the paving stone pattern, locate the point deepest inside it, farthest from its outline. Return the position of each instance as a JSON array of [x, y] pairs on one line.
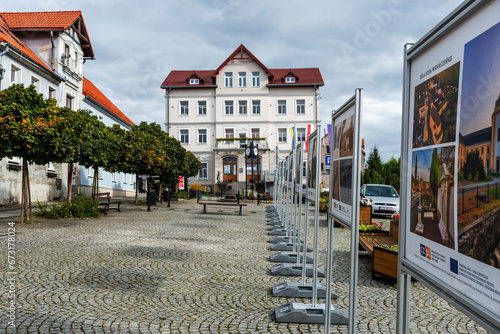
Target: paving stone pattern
[[175, 270]]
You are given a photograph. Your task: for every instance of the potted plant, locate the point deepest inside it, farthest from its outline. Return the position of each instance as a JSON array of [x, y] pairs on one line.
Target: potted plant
[[229, 187], [372, 228], [365, 210]]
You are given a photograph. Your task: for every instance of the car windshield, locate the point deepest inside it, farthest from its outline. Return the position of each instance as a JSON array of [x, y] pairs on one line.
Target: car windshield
[[381, 191]]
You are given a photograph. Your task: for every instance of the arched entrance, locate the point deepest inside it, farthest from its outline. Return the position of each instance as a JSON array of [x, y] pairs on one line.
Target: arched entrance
[[256, 168], [230, 166]]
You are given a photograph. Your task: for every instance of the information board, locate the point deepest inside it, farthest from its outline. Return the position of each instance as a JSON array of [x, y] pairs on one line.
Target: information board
[[451, 146], [312, 161]]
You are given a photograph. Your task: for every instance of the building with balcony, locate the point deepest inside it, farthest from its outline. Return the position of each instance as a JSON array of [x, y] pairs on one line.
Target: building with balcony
[[214, 113]]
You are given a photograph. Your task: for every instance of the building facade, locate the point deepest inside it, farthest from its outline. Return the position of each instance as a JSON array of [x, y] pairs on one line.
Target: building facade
[[46, 50], [214, 113]]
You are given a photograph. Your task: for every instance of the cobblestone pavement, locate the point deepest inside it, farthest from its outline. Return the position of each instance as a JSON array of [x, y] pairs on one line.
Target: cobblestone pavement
[[176, 270]]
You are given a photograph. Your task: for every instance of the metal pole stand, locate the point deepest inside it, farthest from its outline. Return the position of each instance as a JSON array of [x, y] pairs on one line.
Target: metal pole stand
[[309, 314]]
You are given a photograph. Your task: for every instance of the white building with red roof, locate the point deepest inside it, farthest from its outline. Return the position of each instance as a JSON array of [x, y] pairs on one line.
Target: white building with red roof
[[47, 50], [242, 98]]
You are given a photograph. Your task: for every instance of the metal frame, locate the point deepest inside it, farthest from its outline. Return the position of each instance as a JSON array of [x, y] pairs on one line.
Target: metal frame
[[407, 269]]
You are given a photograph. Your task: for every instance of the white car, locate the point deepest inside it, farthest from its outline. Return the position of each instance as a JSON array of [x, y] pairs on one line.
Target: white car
[[385, 198]]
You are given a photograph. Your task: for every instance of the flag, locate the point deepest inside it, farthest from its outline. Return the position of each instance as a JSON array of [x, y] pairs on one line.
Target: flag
[[329, 128], [293, 138]]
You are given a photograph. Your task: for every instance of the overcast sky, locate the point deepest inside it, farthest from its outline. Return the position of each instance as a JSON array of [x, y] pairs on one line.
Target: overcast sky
[[355, 44]]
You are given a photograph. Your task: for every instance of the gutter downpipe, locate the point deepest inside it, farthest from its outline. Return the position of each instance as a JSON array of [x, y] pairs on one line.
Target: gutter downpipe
[[2, 70], [316, 107], [167, 95], [52, 63]]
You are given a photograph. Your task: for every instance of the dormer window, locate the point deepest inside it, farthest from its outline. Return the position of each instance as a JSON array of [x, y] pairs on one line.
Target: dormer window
[[194, 81], [290, 79]]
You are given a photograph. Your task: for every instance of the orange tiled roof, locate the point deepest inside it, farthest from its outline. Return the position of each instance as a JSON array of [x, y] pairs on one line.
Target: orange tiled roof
[[8, 37], [90, 90], [40, 20]]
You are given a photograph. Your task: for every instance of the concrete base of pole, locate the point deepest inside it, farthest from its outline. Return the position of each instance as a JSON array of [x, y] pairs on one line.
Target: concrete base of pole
[[278, 232], [297, 290], [308, 314], [275, 222], [287, 247], [276, 227], [290, 269], [285, 239], [289, 257]]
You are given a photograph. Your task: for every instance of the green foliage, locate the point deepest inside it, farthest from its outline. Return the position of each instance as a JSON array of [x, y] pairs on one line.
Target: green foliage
[[374, 162], [473, 168], [82, 207], [378, 172], [183, 194]]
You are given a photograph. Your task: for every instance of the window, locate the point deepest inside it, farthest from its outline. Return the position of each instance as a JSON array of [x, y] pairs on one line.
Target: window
[[76, 62], [125, 178], [229, 133], [203, 174], [35, 82], [52, 93], [290, 79], [69, 101], [50, 166], [255, 132], [282, 135], [242, 79], [301, 107], [228, 79], [229, 107], [242, 107], [281, 107], [15, 74], [113, 177], [131, 178], [301, 134], [202, 107], [100, 170], [184, 110], [194, 81], [202, 136], [255, 79], [256, 107], [66, 55], [328, 149], [184, 136], [90, 172], [242, 143]]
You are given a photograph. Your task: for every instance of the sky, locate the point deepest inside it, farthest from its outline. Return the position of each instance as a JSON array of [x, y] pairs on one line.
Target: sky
[[355, 44]]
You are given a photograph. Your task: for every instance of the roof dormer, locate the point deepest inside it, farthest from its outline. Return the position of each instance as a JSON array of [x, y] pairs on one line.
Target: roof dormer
[[290, 77], [195, 79]]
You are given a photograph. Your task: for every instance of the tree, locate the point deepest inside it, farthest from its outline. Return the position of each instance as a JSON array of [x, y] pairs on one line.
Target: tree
[[473, 167], [434, 173], [374, 162], [392, 172], [28, 129]]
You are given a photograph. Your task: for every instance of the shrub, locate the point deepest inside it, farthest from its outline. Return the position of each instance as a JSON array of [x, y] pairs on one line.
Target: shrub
[[81, 207], [183, 194]]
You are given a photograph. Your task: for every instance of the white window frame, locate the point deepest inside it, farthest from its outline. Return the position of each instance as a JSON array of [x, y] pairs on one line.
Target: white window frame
[[194, 81], [255, 79], [181, 136], [183, 108], [100, 172], [90, 172], [66, 54], [132, 178], [202, 108], [301, 138], [300, 109], [15, 74], [35, 82], [242, 79], [205, 170], [281, 108], [16, 160], [290, 79], [256, 106], [242, 135], [229, 107], [226, 132], [124, 178], [54, 91], [206, 136], [282, 131], [113, 177], [71, 99], [252, 133], [242, 107], [228, 79]]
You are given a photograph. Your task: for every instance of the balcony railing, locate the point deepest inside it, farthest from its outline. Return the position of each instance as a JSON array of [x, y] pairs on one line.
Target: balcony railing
[[239, 143]]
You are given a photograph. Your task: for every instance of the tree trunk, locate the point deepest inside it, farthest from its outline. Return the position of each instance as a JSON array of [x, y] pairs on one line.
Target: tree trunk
[[70, 180], [26, 198], [95, 188]]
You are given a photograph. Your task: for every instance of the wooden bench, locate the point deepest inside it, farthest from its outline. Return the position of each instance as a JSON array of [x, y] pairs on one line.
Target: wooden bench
[[384, 260], [105, 201], [221, 204]]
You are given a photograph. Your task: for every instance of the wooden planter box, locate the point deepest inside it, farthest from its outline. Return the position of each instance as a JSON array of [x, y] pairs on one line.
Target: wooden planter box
[[365, 214], [394, 231], [384, 262]]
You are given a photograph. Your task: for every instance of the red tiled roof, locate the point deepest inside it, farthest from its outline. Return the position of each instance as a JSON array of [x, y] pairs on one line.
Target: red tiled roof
[[49, 21], [304, 76], [8, 37], [90, 90], [41, 20], [181, 79]]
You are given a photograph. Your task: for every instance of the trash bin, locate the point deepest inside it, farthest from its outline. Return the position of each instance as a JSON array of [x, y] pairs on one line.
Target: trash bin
[[151, 197]]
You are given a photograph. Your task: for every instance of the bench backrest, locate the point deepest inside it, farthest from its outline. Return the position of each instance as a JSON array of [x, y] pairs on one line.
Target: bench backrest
[[101, 196]]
